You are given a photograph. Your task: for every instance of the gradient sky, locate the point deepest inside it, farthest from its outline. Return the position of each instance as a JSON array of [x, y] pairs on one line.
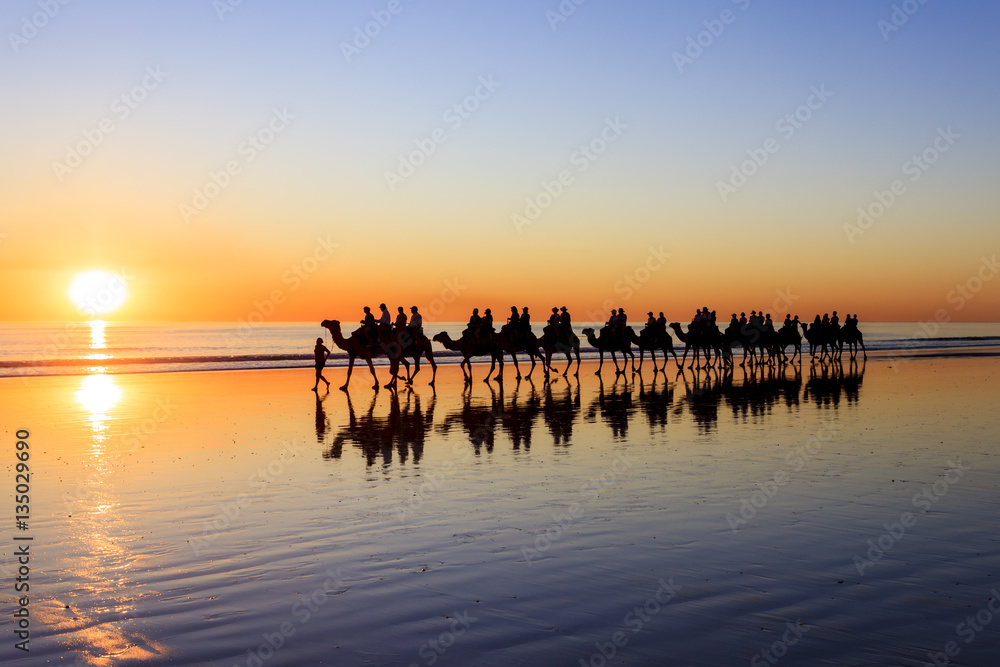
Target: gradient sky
[[448, 227]]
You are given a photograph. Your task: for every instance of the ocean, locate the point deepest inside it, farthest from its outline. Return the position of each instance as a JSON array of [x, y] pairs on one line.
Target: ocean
[[82, 348]]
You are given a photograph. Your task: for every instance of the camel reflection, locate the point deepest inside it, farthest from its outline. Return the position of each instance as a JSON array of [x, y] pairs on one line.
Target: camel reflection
[[511, 412], [479, 421], [828, 382], [614, 406], [403, 430], [559, 410]]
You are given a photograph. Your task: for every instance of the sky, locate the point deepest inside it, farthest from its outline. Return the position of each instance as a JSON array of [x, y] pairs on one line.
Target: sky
[[300, 160]]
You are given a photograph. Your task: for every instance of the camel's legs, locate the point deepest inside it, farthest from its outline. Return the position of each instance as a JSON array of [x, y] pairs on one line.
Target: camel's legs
[[350, 367], [600, 365], [434, 367], [371, 367]]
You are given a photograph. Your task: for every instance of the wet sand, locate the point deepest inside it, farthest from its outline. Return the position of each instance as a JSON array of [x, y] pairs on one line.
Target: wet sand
[[205, 518]]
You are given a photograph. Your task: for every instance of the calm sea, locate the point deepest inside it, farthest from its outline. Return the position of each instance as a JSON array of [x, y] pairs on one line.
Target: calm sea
[[71, 348]]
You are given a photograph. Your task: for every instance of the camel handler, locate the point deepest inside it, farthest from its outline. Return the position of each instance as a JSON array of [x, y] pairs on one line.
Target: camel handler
[[321, 353]]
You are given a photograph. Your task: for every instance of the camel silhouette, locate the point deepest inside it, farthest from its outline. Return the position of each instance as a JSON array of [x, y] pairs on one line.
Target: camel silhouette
[[608, 343], [652, 340], [397, 346], [469, 348], [551, 344], [696, 340]]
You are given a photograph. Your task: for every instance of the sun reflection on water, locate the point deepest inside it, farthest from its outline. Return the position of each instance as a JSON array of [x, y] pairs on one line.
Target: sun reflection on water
[[98, 394], [100, 627]]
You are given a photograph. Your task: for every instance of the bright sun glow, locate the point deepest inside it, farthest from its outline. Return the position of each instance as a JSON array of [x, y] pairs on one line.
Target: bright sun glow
[[98, 292], [98, 394]]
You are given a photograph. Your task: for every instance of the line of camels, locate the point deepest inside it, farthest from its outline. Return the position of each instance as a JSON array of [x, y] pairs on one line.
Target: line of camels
[[759, 346]]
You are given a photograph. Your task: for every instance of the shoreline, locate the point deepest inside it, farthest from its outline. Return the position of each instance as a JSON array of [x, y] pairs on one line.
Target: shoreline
[[450, 358]]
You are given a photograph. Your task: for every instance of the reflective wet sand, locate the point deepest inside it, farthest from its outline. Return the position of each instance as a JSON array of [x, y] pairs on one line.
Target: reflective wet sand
[[828, 515]]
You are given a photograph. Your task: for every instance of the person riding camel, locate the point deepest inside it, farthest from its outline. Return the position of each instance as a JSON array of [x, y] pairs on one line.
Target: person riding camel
[[513, 323], [565, 325], [369, 327], [475, 322], [486, 330], [416, 324], [552, 325], [384, 321], [525, 323], [661, 323], [400, 323]]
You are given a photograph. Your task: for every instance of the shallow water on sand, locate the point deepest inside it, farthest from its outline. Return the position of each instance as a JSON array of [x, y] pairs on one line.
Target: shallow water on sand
[[192, 518]]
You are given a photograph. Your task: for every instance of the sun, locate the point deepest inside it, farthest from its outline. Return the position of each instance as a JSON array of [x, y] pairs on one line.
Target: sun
[[98, 292]]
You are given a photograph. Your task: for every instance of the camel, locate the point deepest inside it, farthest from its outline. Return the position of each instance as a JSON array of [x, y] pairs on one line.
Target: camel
[[788, 335], [851, 336], [509, 342], [822, 337], [607, 343], [652, 340], [699, 342], [551, 344], [396, 347], [469, 349]]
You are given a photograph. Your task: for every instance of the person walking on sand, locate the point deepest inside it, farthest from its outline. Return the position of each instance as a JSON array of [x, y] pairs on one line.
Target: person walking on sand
[[320, 353]]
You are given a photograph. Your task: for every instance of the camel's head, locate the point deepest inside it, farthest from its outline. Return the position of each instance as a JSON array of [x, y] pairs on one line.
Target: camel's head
[[587, 332], [441, 337], [675, 325], [329, 324]]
